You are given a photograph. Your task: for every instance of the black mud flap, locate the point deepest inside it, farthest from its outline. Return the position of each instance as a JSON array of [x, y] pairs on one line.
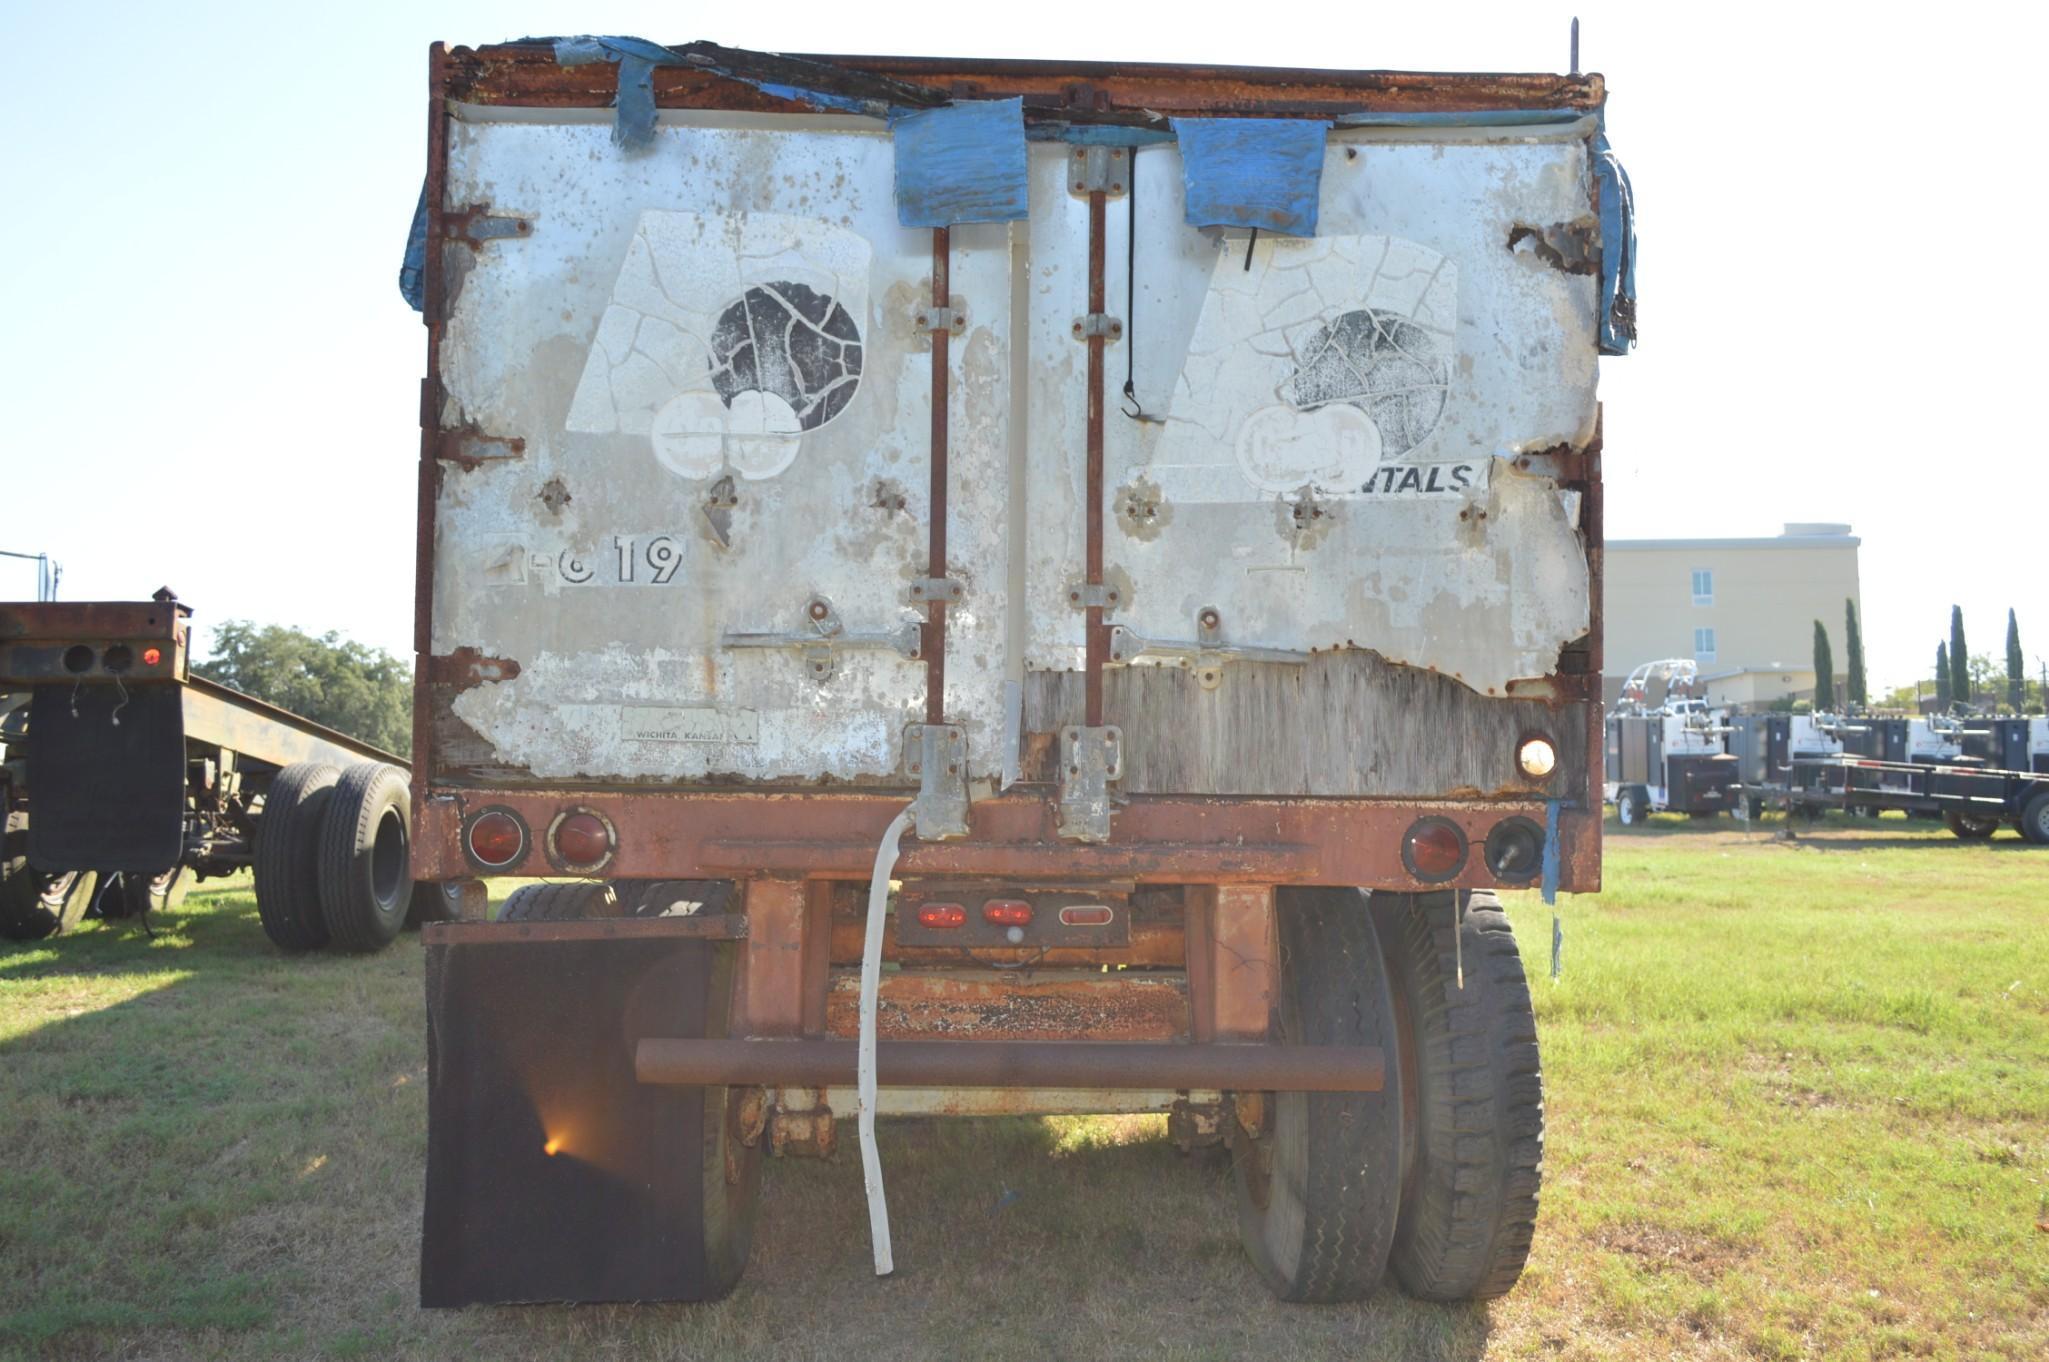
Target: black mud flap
[[551, 1174], [106, 777]]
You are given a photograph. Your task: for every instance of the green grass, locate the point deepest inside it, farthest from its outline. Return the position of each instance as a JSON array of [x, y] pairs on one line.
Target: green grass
[[1798, 1099]]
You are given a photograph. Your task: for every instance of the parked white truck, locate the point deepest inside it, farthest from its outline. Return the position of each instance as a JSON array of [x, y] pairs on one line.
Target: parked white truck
[[911, 723]]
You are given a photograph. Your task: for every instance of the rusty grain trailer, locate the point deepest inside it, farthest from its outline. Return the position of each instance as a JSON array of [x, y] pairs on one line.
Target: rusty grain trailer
[[127, 777], [998, 587]]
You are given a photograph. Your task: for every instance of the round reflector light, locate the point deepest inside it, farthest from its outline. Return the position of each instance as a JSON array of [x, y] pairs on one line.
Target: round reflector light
[[152, 656], [496, 838], [1435, 849], [1535, 757], [582, 839], [1514, 850]]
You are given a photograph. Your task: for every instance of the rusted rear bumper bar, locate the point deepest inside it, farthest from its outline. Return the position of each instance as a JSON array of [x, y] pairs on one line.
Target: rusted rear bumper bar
[[1015, 1064]]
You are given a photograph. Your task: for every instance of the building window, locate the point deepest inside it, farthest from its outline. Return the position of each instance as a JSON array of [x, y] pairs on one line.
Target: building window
[[1703, 645], [1703, 586]]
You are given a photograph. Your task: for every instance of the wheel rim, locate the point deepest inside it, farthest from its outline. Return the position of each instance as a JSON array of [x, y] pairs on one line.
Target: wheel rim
[[388, 859]]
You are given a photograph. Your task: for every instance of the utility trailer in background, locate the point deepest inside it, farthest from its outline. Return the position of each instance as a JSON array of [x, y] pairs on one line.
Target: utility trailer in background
[[1806, 764], [127, 777], [1665, 747], [795, 587]]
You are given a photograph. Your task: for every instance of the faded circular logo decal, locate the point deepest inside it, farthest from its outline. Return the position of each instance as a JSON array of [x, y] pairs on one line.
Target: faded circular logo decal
[[1380, 363], [1282, 449]]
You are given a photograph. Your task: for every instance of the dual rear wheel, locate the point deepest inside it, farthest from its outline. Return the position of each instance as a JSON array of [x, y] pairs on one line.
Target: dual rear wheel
[[333, 857], [1436, 1176]]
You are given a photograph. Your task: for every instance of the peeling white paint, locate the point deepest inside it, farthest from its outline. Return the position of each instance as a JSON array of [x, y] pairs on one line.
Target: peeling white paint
[[692, 496]]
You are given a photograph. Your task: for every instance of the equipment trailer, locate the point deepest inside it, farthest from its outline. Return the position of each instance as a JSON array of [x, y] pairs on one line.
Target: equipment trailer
[[127, 777], [912, 727], [1971, 799]]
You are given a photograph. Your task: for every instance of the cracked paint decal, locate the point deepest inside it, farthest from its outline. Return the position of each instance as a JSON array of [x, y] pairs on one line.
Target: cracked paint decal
[[728, 337]]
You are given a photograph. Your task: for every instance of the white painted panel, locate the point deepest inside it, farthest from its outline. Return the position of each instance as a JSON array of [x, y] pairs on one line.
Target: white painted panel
[[625, 341]]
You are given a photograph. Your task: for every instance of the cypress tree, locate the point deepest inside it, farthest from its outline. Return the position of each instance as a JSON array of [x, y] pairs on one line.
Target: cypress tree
[[1959, 658], [2016, 666], [1824, 671], [1942, 678], [1853, 643]]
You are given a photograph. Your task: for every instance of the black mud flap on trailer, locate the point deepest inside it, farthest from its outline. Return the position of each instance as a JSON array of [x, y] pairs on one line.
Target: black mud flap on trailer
[[552, 1175], [106, 777]]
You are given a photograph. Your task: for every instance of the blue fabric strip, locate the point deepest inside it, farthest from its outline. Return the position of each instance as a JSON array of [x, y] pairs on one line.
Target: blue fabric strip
[[1551, 851], [819, 99], [633, 127], [1097, 134], [1462, 118], [1618, 251], [1253, 172], [412, 270], [961, 163]]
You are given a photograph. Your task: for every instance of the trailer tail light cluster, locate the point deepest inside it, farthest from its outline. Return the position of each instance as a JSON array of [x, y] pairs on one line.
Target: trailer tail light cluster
[[1007, 912], [1434, 849], [580, 840], [495, 839], [942, 915]]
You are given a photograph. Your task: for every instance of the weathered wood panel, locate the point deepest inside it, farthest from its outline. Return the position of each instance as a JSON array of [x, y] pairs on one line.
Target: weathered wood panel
[[1347, 723]]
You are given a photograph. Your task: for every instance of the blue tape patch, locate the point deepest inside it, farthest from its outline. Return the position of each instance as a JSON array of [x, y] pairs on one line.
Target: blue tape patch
[[1253, 172], [633, 127], [1551, 851], [961, 163], [1618, 251], [820, 99], [412, 270], [1467, 118]]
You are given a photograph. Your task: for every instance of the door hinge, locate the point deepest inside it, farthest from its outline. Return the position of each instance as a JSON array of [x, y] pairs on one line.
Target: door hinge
[[474, 224]]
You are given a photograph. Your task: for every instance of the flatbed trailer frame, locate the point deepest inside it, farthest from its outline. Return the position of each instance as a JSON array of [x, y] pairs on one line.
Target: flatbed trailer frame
[[128, 776], [1974, 800]]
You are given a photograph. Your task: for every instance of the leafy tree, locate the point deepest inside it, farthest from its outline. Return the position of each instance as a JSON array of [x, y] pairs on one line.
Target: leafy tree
[[1853, 644], [1959, 658], [2016, 665], [1943, 677], [1824, 671], [363, 692]]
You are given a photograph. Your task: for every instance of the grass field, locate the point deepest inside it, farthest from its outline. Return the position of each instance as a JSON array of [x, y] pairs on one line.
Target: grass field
[[1798, 1099]]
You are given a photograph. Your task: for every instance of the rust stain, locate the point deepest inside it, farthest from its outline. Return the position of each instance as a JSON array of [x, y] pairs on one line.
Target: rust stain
[[998, 1005], [1572, 247], [466, 667]]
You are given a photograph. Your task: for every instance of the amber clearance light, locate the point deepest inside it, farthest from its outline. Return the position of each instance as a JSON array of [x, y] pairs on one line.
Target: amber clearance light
[[1535, 757]]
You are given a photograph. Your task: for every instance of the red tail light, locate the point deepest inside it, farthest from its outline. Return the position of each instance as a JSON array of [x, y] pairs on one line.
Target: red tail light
[[1087, 915], [496, 839], [1434, 849], [1007, 912], [152, 656], [582, 839], [942, 915]]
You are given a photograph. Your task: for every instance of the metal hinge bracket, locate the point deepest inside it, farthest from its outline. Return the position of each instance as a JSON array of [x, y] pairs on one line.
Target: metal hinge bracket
[[826, 635], [1099, 170], [1092, 596], [468, 446], [1098, 324], [474, 224], [952, 320], [937, 754], [944, 590], [1090, 759], [1205, 657]]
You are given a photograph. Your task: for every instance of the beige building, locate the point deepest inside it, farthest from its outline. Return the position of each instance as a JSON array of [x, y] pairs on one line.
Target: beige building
[[1743, 609]]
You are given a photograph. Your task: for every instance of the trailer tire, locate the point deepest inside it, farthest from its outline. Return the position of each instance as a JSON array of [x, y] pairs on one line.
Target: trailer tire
[[365, 865], [1632, 806], [1473, 1175], [1968, 828], [1319, 1189], [34, 905], [140, 894], [2034, 823], [564, 901], [287, 856]]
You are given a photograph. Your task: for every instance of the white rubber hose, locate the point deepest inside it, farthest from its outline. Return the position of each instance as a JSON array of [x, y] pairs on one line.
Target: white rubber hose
[[871, 984]]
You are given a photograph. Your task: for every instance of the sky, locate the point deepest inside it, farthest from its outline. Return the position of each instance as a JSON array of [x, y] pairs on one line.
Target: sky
[[208, 378]]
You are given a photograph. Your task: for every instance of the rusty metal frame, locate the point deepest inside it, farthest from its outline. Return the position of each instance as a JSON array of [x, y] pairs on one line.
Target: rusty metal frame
[[1015, 1064], [1158, 840]]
